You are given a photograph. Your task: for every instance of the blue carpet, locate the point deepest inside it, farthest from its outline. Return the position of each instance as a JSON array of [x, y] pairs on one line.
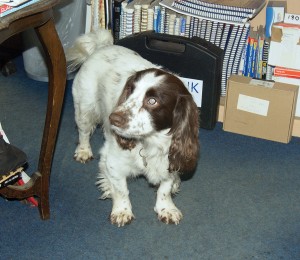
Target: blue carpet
[[242, 202]]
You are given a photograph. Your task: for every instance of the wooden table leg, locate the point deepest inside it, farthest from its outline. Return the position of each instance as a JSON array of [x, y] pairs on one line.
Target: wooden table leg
[[41, 18], [56, 63]]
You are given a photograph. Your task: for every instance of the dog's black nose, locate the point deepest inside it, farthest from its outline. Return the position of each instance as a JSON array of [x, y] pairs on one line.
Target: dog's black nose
[[118, 119]]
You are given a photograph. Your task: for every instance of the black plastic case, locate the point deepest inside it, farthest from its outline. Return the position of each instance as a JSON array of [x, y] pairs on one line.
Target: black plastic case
[[192, 58]]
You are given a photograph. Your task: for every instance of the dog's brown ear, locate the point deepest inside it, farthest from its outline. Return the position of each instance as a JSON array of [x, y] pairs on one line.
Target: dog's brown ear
[[183, 153], [124, 143], [127, 90]]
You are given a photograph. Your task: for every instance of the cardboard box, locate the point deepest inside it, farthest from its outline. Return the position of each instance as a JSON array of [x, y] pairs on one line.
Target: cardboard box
[[260, 108], [285, 46]]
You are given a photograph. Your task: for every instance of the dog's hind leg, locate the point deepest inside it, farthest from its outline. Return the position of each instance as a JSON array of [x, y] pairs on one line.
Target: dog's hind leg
[[86, 120]]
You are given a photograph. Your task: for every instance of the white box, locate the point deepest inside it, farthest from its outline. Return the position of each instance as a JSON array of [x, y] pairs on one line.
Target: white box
[[285, 46]]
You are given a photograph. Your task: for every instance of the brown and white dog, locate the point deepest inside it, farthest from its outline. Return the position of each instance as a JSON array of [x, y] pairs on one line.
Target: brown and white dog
[[149, 119]]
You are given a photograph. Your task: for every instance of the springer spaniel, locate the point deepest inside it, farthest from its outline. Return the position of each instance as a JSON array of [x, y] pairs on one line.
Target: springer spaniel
[[149, 119]]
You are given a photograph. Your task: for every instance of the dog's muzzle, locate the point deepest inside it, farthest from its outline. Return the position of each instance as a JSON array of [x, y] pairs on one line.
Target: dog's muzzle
[[119, 119]]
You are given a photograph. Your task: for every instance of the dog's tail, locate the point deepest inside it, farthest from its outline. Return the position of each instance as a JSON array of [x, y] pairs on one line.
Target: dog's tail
[[85, 45]]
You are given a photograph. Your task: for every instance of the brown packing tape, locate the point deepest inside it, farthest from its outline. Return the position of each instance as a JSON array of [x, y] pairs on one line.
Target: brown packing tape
[[276, 34]]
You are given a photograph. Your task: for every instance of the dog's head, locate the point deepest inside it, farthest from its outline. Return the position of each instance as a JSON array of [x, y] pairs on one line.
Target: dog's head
[[154, 100]]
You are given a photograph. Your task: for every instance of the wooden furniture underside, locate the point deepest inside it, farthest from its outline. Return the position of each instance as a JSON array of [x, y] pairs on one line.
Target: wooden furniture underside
[[39, 16]]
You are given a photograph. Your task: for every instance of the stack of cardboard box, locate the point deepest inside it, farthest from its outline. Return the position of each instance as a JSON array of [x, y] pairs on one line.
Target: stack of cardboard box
[[284, 54], [267, 109]]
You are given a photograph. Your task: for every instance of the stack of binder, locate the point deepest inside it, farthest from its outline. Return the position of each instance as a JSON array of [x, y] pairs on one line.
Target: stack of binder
[[223, 23], [224, 10]]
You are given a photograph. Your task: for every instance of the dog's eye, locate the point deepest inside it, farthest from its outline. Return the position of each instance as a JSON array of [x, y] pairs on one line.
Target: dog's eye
[[151, 101]]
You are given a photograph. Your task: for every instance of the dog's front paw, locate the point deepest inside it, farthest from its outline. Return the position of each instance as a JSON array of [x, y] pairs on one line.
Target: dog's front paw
[[121, 218], [169, 215], [83, 154]]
